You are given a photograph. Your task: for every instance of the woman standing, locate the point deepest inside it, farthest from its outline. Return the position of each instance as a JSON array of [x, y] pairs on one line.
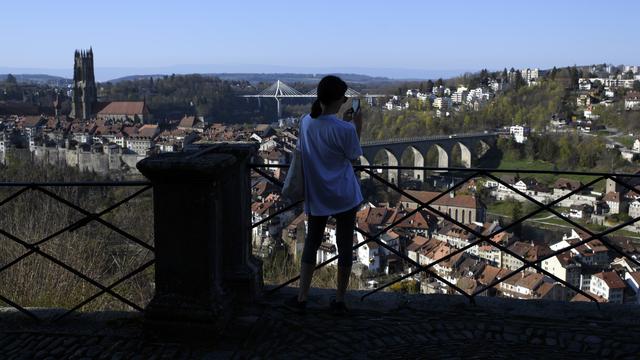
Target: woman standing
[[328, 146]]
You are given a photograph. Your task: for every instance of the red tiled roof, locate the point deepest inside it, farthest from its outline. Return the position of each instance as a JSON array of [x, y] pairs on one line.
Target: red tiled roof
[[467, 201], [489, 274], [189, 122], [567, 184], [580, 297], [123, 108], [612, 196], [417, 242], [147, 130], [612, 279], [530, 281], [30, 121]]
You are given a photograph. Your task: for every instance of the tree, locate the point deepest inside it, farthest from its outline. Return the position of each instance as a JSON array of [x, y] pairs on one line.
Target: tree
[[516, 214], [429, 87], [519, 80], [628, 75], [11, 80], [636, 85], [439, 82]]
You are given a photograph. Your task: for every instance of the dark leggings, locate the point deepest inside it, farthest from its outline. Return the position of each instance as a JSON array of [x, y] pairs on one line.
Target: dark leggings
[[345, 224]]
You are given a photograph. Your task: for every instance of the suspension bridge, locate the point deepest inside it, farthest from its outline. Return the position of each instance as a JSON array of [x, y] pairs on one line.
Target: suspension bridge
[[280, 90]]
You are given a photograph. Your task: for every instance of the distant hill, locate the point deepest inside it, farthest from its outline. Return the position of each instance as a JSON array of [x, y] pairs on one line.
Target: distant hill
[[267, 77], [39, 79]]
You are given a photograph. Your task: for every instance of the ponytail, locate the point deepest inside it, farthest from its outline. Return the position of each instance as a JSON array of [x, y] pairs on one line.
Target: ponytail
[[316, 109]]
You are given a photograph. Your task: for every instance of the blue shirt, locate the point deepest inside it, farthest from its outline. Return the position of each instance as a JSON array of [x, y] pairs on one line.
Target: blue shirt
[[328, 145]]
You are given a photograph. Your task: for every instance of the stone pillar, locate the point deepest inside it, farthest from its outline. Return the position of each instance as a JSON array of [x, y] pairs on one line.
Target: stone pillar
[[201, 202], [418, 161], [392, 160]]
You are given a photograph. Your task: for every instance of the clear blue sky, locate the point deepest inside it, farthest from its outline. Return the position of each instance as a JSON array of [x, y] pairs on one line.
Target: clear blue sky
[[252, 35]]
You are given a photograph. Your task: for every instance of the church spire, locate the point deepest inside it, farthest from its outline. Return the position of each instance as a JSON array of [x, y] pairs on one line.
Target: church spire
[[85, 93]]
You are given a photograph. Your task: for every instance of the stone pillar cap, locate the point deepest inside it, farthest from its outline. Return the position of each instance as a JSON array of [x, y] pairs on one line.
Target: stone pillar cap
[[184, 167]]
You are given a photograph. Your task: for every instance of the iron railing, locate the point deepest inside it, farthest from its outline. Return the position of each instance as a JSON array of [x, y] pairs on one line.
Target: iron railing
[[88, 217], [469, 174]]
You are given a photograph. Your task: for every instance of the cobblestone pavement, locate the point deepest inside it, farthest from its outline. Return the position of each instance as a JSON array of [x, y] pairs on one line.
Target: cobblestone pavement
[[385, 327]]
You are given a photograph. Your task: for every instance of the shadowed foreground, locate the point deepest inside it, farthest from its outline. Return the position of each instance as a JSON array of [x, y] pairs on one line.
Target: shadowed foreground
[[386, 325]]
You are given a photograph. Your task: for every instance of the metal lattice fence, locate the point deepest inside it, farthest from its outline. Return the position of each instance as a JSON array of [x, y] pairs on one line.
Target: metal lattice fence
[[49, 202], [465, 176]]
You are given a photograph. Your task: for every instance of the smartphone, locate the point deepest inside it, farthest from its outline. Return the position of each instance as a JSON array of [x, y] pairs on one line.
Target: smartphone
[[355, 105]]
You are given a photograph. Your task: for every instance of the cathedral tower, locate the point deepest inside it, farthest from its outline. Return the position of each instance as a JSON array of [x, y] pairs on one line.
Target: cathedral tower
[[85, 94]]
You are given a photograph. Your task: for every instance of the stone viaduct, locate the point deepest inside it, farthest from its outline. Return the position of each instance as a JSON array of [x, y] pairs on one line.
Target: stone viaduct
[[472, 146]]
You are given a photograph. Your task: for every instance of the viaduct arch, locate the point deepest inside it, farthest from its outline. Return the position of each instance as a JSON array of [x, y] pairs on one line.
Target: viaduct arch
[[392, 151]]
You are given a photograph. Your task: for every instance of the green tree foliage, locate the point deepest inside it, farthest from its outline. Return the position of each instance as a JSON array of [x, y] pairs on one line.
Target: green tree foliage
[[93, 249], [516, 213], [176, 95], [11, 80], [615, 116], [566, 152], [529, 105], [406, 287]]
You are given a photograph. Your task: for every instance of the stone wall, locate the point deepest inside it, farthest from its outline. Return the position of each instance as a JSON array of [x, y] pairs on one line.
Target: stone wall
[[101, 163]]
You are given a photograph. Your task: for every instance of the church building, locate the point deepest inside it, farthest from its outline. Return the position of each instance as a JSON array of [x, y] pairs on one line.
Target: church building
[[85, 104]]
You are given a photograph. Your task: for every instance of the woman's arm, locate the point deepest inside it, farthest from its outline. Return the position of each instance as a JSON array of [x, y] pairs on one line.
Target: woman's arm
[[357, 121]]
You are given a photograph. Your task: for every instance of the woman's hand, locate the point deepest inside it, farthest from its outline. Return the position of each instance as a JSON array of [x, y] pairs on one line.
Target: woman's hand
[[353, 117]]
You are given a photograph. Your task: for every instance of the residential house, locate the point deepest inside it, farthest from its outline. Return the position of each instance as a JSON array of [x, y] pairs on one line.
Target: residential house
[[488, 276], [294, 234], [632, 278], [458, 237], [142, 140], [616, 203], [463, 208], [609, 285], [191, 123], [632, 101], [416, 245], [525, 250], [593, 253], [634, 209], [566, 268], [519, 133], [582, 211]]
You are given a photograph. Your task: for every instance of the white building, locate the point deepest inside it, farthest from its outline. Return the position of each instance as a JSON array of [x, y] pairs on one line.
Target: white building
[[519, 133], [633, 281], [530, 75], [609, 93], [609, 285], [612, 82], [584, 85], [634, 209], [565, 268], [370, 254], [441, 103], [632, 101]]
